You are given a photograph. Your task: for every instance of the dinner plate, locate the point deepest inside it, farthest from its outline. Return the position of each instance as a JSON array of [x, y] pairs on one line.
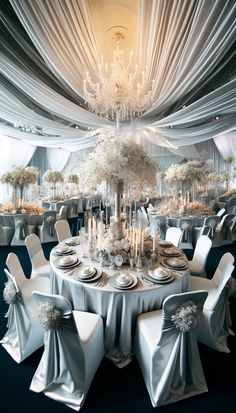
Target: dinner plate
[[166, 244], [72, 264], [160, 274], [64, 250], [156, 281], [96, 276], [179, 268], [176, 262], [84, 276], [114, 284], [72, 241], [170, 252]]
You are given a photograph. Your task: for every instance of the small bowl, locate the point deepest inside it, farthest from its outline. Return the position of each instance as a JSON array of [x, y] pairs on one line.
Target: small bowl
[[124, 279]]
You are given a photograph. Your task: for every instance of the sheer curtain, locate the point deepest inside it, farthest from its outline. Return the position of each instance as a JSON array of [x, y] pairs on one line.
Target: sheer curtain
[[14, 153], [57, 158]]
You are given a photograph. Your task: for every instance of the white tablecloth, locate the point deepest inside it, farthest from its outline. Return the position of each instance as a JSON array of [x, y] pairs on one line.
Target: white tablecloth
[[119, 309]]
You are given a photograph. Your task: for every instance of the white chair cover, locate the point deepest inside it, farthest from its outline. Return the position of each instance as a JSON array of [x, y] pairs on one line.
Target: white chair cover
[[15, 268], [22, 229], [62, 214], [46, 231], [186, 240], [223, 233], [73, 351], [208, 228], [62, 229], [233, 229], [201, 251], [167, 351], [173, 234], [24, 333], [6, 234], [214, 328], [40, 266]]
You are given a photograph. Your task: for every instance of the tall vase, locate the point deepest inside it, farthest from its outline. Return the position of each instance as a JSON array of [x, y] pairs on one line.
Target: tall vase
[[118, 226]]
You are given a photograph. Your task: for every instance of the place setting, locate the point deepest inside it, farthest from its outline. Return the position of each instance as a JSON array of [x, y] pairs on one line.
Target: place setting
[[159, 276], [68, 262], [72, 242], [63, 250], [170, 252], [175, 263], [88, 274], [123, 281], [164, 243]]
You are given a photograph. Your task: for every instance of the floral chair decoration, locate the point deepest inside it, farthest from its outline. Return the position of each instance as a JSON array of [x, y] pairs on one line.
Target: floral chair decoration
[[46, 230]]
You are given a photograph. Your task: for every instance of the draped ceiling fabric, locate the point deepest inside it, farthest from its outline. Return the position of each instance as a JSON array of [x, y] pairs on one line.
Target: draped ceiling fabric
[[188, 46]]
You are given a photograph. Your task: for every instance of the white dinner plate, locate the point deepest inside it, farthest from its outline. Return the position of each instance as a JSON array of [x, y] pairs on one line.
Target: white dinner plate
[[96, 276], [160, 274], [71, 264], [84, 276], [156, 281], [114, 284], [166, 244], [72, 241], [165, 263]]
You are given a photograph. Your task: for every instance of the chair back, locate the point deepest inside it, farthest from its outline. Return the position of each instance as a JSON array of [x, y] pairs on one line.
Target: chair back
[[173, 234], [35, 251], [63, 212], [200, 254], [58, 301], [21, 223], [221, 212], [15, 268], [62, 229], [174, 302], [11, 278], [157, 225], [224, 270], [49, 219], [224, 225]]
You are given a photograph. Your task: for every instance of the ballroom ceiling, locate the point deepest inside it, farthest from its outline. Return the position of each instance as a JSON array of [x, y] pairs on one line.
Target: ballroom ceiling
[[46, 48]]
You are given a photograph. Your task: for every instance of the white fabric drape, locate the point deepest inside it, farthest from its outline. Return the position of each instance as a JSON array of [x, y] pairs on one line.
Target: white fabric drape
[[183, 43], [13, 153], [57, 158], [226, 144]]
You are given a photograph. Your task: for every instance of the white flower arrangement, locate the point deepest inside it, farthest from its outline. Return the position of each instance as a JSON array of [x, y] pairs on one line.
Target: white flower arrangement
[[49, 315], [116, 160], [10, 292], [73, 179], [20, 177], [186, 317], [53, 177], [186, 173]]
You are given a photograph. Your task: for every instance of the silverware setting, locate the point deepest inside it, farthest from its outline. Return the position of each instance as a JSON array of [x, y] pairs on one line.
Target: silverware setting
[[102, 281]]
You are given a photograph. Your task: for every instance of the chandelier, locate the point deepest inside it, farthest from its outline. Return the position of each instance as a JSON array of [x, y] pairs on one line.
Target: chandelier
[[120, 93]]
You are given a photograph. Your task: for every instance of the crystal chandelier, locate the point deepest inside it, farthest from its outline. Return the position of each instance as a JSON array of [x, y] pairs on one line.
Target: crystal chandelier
[[119, 94]]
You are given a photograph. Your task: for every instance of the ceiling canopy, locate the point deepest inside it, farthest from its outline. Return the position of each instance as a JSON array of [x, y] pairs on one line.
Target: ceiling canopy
[[47, 47]]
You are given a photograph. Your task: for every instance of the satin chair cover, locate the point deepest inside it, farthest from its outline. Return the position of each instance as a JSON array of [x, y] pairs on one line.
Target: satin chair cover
[[46, 231], [6, 234], [62, 214], [173, 235], [72, 353], [24, 333], [233, 229], [169, 357], [40, 266], [214, 328], [186, 240], [208, 228], [201, 252], [62, 229], [223, 233], [22, 229]]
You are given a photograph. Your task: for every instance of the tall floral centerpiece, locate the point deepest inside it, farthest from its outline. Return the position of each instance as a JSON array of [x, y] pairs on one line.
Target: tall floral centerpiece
[[73, 181], [121, 164], [18, 179], [53, 178]]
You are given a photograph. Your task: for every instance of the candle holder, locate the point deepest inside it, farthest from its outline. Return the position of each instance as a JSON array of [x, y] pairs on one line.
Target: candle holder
[[139, 264], [153, 256]]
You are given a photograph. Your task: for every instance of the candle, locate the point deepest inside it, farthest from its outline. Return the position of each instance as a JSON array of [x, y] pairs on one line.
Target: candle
[[136, 243], [94, 228], [142, 241], [89, 229], [154, 242]]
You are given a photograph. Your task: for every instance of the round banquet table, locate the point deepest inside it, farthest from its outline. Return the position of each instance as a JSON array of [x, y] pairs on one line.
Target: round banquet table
[[118, 308]]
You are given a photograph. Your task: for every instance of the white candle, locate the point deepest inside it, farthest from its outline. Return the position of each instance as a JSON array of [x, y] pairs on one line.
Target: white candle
[[142, 241], [94, 228], [154, 242], [89, 229]]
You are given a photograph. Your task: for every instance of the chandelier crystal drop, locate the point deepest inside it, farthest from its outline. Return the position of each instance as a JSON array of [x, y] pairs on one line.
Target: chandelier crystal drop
[[119, 94]]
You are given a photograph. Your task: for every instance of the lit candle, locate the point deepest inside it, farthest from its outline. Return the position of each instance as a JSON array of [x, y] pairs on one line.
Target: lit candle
[[94, 228], [142, 241]]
